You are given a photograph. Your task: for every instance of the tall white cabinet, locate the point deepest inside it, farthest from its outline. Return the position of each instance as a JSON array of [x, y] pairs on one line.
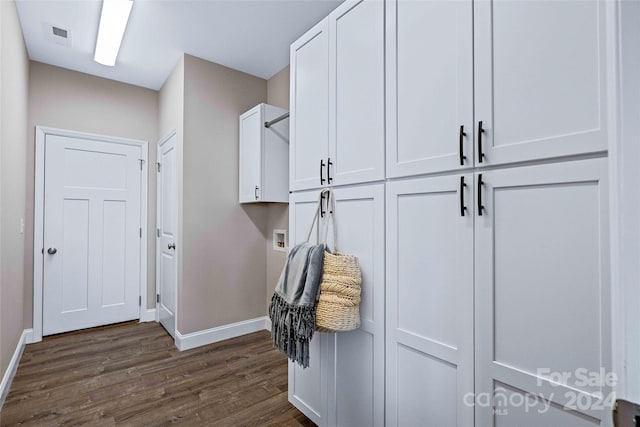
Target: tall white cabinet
[[467, 144], [430, 300], [344, 384], [337, 99]]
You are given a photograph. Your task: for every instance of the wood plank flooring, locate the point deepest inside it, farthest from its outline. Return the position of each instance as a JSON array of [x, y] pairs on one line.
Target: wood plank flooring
[[131, 374]]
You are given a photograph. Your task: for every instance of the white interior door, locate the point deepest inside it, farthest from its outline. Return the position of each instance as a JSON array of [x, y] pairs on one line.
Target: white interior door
[[430, 302], [167, 235], [541, 78], [308, 387], [429, 86], [92, 235], [356, 365], [543, 296], [356, 86]]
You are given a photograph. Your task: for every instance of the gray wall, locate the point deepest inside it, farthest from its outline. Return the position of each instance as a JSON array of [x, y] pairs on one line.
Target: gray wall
[[14, 76], [66, 99], [278, 213], [224, 260]]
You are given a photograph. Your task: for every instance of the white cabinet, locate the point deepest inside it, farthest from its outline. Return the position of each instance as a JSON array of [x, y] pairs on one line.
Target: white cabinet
[[356, 92], [430, 301], [541, 78], [263, 156], [344, 384], [498, 264], [429, 86], [309, 103], [534, 240], [534, 74], [543, 291], [308, 387], [337, 99]]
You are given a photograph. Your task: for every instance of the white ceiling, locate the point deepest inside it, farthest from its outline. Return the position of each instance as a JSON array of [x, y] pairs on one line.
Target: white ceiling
[[250, 36]]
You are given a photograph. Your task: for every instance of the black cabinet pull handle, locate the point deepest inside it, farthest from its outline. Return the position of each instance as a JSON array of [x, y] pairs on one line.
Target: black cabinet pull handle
[[255, 192], [480, 205], [322, 180], [461, 149], [329, 163], [322, 211], [480, 132], [463, 208]]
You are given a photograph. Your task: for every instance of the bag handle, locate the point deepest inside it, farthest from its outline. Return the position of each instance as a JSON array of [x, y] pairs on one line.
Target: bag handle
[[331, 208], [318, 208], [331, 212]]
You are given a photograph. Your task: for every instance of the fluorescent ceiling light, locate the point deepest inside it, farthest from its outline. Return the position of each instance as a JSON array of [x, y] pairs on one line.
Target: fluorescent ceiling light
[[113, 22]]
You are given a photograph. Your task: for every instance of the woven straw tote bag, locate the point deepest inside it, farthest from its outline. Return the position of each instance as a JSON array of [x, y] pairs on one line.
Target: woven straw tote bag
[[338, 308]]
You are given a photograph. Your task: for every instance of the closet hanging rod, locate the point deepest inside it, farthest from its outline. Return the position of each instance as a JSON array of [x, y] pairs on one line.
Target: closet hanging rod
[[276, 120]]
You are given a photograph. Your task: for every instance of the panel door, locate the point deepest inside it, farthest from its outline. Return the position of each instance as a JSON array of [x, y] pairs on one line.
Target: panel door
[[91, 234], [356, 380], [356, 87], [167, 258], [541, 78], [542, 295], [251, 155], [309, 101], [429, 84], [429, 304], [308, 387]]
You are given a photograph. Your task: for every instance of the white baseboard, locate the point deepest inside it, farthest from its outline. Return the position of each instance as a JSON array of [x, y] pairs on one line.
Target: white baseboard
[[148, 316], [5, 385], [267, 325], [210, 336]]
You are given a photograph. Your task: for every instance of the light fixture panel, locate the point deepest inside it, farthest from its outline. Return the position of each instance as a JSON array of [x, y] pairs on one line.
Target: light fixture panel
[[113, 23]]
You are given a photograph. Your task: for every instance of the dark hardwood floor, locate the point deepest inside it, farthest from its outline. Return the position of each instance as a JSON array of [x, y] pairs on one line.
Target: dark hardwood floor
[[131, 374]]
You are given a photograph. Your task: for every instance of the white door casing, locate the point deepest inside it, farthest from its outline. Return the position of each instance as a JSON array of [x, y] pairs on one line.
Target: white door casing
[[93, 218], [429, 301], [543, 292], [167, 234]]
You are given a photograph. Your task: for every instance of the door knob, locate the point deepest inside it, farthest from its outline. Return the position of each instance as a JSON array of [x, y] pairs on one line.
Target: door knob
[[52, 251], [171, 246]]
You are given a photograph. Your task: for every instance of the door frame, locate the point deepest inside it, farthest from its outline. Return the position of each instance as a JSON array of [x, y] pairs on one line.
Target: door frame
[[161, 142], [41, 133]]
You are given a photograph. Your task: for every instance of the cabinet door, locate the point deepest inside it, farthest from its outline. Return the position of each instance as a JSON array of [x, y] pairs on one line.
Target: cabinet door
[[309, 108], [541, 78], [542, 295], [429, 301], [356, 85], [308, 387], [250, 155], [356, 366], [429, 86]]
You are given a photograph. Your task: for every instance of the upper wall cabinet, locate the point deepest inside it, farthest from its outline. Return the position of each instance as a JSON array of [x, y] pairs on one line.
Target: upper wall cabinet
[[309, 103], [532, 73], [541, 79], [429, 86], [264, 156], [337, 99]]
